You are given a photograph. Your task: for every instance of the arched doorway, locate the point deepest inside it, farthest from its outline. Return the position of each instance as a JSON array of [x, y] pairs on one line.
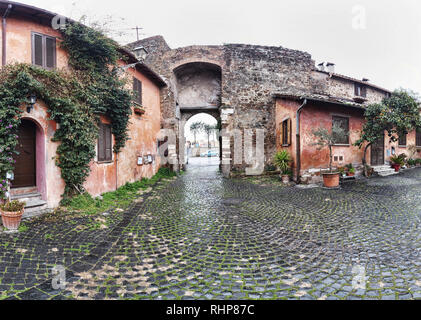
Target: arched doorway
[[202, 138], [25, 166], [198, 96], [30, 166]]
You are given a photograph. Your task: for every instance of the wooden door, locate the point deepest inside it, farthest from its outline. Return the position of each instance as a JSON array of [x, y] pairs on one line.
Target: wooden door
[[377, 152], [25, 167]]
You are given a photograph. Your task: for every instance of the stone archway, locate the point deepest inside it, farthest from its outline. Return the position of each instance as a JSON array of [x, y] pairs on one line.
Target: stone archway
[[198, 89]]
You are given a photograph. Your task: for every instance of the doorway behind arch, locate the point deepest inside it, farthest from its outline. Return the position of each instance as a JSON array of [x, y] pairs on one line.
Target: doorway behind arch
[[202, 136], [29, 183]]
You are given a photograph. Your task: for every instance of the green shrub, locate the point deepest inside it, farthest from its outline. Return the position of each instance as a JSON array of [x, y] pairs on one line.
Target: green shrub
[[283, 161], [13, 206]]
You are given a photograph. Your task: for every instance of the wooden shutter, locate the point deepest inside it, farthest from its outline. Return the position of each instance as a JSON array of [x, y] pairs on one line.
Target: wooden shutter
[[137, 90], [282, 133], [101, 141], [50, 52], [37, 50], [289, 125], [108, 143]]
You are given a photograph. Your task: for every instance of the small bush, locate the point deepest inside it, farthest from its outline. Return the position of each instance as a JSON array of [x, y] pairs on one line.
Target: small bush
[[13, 206]]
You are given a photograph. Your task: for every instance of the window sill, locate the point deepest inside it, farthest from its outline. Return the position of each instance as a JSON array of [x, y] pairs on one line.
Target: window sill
[[105, 162], [286, 145]]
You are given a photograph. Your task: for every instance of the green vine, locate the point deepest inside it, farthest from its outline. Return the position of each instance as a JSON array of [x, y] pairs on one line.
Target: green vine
[[75, 98]]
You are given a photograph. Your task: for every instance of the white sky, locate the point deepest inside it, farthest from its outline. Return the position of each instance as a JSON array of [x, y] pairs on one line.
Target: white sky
[[386, 51]]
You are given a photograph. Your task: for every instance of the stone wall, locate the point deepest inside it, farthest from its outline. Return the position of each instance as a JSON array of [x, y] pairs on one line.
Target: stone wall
[[250, 75]]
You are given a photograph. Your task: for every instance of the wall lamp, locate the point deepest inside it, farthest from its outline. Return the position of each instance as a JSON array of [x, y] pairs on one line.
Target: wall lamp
[[32, 101]]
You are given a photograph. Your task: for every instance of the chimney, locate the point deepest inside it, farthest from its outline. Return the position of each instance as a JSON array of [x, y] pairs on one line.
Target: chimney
[[330, 67], [366, 80], [321, 66]]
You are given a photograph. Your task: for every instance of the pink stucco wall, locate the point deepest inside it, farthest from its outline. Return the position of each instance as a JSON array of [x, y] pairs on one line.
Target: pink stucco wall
[[104, 177]]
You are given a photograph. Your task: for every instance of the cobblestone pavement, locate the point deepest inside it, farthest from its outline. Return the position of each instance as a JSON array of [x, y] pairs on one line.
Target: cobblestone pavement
[[205, 237]]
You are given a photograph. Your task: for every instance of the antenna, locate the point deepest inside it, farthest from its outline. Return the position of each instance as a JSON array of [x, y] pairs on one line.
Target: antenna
[[137, 31]]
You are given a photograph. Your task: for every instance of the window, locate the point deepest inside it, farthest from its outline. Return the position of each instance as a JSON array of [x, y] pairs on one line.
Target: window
[[137, 91], [402, 139], [360, 90], [286, 132], [419, 137], [43, 51], [105, 153], [341, 122]]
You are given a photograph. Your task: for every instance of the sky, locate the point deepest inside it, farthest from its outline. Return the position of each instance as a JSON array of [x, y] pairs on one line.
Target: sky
[[374, 39]]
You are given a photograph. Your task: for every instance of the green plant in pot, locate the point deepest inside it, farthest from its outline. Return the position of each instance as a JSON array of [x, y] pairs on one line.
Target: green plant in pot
[[328, 139], [11, 214], [283, 161], [397, 162]]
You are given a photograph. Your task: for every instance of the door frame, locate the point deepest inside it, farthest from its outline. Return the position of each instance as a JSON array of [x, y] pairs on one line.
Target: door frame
[[383, 156]]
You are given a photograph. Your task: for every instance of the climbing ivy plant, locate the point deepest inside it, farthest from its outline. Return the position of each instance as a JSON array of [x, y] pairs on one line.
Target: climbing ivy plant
[[75, 99]]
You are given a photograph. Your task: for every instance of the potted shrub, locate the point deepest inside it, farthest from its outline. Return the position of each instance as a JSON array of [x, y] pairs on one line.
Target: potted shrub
[[418, 162], [11, 214], [351, 172], [397, 162], [283, 161], [326, 139], [411, 163], [342, 172]]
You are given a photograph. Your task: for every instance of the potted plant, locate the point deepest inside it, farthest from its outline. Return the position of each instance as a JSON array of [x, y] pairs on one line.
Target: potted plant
[[350, 170], [283, 161], [418, 162], [11, 214], [397, 162], [342, 172], [411, 163], [326, 139]]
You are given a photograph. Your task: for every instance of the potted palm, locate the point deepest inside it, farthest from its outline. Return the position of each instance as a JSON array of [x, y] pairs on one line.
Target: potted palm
[[397, 162], [283, 161], [11, 214], [326, 139]]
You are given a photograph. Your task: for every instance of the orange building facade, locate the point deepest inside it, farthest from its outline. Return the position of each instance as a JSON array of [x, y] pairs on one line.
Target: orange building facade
[[39, 179], [298, 116]]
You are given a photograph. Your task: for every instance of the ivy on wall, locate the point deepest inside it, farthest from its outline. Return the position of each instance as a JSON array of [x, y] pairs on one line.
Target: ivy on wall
[[75, 98]]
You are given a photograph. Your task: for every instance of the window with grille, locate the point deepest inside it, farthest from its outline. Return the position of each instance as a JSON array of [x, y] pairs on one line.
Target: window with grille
[[44, 51], [341, 122], [105, 152], [137, 91], [402, 139], [419, 137], [286, 132]]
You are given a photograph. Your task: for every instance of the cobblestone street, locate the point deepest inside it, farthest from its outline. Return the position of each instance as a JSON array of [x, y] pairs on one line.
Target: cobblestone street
[[204, 237]]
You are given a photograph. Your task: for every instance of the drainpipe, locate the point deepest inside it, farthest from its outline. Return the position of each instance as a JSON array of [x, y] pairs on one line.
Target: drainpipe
[[3, 30], [298, 142]]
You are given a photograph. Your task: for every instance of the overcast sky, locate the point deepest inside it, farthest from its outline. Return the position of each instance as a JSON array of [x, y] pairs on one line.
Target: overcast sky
[[376, 39]]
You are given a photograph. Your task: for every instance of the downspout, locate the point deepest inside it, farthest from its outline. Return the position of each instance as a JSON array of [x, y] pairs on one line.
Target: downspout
[[3, 36], [298, 141]]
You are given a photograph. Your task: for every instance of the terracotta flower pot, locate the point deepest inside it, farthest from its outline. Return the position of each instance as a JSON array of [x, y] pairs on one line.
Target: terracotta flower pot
[[397, 167], [11, 220], [349, 174], [285, 179], [331, 180]]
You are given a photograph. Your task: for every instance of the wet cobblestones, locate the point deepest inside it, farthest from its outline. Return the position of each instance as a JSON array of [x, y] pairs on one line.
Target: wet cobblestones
[[205, 237]]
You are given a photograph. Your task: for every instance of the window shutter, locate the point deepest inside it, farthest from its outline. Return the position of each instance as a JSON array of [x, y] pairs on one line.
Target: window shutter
[[37, 52], [289, 131], [418, 138], [137, 90], [108, 143], [282, 133], [50, 53], [101, 149]]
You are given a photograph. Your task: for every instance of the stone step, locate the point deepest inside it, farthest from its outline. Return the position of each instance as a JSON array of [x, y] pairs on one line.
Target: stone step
[[27, 197], [387, 173], [34, 208], [21, 191]]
